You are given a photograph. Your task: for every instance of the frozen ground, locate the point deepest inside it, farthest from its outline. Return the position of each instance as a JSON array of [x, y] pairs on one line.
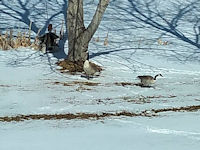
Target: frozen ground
[[30, 83], [180, 131]]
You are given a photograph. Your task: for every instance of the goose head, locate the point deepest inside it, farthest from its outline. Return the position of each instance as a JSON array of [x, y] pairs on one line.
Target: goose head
[[86, 64], [157, 76]]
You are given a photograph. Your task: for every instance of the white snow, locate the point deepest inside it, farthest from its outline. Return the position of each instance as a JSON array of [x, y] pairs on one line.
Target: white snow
[[27, 79]]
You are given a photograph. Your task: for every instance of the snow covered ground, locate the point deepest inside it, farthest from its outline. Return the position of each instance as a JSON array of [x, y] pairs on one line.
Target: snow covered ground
[[31, 84]]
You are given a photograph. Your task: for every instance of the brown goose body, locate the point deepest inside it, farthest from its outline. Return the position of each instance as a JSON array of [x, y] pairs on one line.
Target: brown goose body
[[147, 80]]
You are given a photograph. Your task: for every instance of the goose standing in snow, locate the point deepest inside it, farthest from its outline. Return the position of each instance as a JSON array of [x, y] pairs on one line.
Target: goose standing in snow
[[147, 80], [89, 69]]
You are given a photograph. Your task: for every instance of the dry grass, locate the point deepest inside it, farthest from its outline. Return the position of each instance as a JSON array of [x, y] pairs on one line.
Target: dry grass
[[144, 99], [179, 109], [1, 85], [138, 100], [160, 96], [23, 39], [69, 116], [97, 39], [97, 116], [36, 44], [161, 42], [106, 41], [124, 83], [7, 41], [82, 88], [77, 83], [72, 67], [86, 83]]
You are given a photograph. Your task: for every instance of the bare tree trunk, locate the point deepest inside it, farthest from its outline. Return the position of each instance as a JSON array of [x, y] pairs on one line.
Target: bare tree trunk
[[79, 36]]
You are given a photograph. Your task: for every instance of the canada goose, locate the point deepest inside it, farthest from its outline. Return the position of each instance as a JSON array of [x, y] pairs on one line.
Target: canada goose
[[147, 80], [89, 69]]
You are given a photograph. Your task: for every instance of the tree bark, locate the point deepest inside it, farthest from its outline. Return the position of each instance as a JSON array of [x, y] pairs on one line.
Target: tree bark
[[79, 36]]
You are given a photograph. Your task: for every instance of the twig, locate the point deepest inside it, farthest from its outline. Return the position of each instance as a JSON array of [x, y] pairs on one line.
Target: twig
[[47, 10], [61, 30], [30, 30]]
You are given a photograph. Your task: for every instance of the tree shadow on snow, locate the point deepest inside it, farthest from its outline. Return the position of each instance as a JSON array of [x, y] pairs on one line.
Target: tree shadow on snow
[[176, 20], [149, 13], [18, 14]]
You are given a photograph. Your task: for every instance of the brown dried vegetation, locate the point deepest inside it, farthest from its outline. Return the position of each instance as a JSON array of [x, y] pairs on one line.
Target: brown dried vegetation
[[7, 41], [82, 116], [23, 39], [69, 116], [72, 67], [77, 82], [184, 108], [124, 83]]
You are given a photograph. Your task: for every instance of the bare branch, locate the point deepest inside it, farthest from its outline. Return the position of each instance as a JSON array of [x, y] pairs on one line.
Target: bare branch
[[96, 18]]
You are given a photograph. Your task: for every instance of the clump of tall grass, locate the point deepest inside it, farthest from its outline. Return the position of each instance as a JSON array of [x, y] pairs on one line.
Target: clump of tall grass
[[22, 39], [8, 41]]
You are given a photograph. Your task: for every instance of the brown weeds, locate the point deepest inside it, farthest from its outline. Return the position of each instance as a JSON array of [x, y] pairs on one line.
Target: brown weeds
[[105, 43], [184, 108], [69, 116], [97, 116], [23, 39], [124, 83], [161, 42], [72, 67], [7, 41], [77, 83], [36, 44]]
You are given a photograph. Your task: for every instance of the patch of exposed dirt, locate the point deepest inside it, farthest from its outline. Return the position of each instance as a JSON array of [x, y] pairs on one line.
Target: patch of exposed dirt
[[160, 96], [108, 84], [146, 113], [69, 116], [131, 84], [144, 99], [185, 108], [136, 100], [72, 67], [124, 83], [81, 88], [1, 85], [139, 101], [76, 83]]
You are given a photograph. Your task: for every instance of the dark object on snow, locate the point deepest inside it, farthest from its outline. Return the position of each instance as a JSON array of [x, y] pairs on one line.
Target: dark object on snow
[[48, 40], [50, 27]]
